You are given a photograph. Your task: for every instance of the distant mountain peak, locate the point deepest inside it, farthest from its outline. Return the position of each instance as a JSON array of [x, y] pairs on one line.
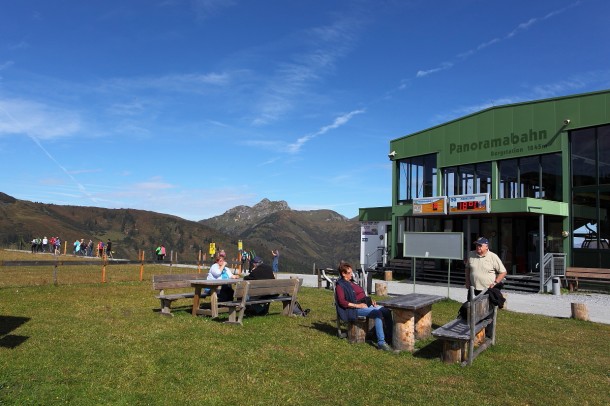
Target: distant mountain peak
[[250, 214]]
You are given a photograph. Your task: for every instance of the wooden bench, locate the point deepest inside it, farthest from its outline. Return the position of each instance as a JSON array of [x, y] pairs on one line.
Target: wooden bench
[[174, 281], [592, 275], [459, 336], [262, 291]]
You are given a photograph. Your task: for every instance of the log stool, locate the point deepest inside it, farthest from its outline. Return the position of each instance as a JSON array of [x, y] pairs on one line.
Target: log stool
[[580, 311], [381, 289], [357, 330]]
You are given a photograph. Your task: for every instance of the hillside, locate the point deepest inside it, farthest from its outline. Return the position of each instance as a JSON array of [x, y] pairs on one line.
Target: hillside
[[322, 237]]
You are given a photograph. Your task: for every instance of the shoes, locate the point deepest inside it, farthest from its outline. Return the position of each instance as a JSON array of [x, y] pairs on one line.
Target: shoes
[[385, 346]]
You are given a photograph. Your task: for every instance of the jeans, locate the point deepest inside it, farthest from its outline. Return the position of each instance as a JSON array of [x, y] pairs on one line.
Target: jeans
[[379, 313]]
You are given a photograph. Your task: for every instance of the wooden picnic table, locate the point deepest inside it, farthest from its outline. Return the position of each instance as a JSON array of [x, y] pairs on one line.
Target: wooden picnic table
[[213, 285], [412, 314]]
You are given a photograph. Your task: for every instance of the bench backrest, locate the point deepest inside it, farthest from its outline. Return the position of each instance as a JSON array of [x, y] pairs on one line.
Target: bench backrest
[[596, 273], [479, 307], [174, 281], [265, 287]]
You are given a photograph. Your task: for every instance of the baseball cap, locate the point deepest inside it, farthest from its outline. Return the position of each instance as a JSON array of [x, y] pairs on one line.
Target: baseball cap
[[481, 240]]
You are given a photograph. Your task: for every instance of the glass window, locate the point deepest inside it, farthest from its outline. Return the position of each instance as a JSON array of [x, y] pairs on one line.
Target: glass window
[[509, 177], [450, 184], [417, 177], [583, 157], [584, 219], [603, 140], [552, 177], [483, 171], [529, 176], [467, 177]]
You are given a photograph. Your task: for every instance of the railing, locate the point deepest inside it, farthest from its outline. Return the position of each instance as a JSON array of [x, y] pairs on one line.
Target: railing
[[553, 264], [368, 265]]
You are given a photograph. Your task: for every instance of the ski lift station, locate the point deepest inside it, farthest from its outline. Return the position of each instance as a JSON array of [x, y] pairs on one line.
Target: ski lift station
[[533, 177]]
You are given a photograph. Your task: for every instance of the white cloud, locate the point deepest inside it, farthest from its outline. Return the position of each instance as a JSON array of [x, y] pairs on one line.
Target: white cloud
[[36, 119], [338, 122]]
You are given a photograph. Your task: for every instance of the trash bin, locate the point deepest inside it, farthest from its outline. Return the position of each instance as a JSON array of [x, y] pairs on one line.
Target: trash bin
[[556, 286]]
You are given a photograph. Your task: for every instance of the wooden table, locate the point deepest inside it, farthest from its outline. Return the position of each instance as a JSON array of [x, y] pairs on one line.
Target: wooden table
[[213, 285], [412, 315]]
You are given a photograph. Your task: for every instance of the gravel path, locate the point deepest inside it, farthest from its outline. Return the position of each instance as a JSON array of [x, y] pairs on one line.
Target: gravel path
[[598, 305]]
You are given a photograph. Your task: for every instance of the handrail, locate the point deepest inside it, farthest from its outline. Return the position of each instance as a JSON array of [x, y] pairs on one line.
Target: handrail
[[371, 266], [553, 264]]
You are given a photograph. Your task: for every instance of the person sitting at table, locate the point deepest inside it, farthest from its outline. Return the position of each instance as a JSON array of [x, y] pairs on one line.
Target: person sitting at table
[[259, 271], [220, 270], [352, 302]]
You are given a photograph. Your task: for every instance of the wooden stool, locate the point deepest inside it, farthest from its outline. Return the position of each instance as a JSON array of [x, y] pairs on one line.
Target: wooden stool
[[381, 289], [357, 330]]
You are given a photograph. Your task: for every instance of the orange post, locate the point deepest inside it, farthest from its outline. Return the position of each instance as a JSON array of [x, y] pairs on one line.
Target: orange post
[[141, 258], [104, 262]]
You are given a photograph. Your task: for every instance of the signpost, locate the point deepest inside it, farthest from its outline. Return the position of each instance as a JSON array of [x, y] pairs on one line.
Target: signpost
[[434, 245]]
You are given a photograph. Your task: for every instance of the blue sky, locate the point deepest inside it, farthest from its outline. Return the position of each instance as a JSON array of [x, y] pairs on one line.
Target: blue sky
[[192, 107]]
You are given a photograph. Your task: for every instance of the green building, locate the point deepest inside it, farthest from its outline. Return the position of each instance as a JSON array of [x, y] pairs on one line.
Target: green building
[[534, 178]]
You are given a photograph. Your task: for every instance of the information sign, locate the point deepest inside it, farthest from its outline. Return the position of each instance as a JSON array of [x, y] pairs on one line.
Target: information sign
[[430, 205], [465, 204]]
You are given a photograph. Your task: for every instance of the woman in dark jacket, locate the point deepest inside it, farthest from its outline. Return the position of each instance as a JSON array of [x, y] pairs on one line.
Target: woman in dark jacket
[[352, 303]]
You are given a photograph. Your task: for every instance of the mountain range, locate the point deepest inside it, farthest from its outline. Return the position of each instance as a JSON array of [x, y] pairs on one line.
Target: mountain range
[[304, 238]]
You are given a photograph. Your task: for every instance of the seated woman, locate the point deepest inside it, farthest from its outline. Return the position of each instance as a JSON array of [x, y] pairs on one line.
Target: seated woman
[[220, 270], [352, 303]]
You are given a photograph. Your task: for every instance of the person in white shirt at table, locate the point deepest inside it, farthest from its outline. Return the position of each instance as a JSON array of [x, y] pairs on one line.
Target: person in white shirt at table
[[220, 270]]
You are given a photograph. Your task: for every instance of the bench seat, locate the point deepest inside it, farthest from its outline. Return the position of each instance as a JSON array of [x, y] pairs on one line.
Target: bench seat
[[174, 281], [460, 336]]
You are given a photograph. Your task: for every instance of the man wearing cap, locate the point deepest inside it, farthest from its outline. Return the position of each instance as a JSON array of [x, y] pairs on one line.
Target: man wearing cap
[[259, 271], [484, 269]]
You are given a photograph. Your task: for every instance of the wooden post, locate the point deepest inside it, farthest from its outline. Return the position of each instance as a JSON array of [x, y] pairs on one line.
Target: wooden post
[[580, 311], [141, 258], [381, 289], [104, 262], [387, 276], [199, 263], [55, 273]]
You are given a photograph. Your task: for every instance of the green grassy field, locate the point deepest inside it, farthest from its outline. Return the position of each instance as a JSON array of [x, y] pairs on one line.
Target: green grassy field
[[92, 344]]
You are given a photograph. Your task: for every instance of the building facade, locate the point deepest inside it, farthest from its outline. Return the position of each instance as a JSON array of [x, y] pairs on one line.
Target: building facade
[[534, 178]]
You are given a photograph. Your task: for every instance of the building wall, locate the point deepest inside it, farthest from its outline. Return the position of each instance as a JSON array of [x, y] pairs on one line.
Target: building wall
[[497, 133]]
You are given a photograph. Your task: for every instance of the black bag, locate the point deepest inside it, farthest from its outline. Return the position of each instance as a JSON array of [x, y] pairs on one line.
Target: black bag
[[298, 310], [367, 300]]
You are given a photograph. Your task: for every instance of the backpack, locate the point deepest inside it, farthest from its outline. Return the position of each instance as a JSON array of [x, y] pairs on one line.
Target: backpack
[[298, 310]]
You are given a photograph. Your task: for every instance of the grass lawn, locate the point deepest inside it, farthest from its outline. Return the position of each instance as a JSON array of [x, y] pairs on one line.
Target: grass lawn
[[92, 343]]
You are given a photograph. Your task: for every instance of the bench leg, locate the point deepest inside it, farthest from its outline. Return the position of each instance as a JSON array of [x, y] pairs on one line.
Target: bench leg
[[166, 307], [423, 322], [404, 330], [453, 351]]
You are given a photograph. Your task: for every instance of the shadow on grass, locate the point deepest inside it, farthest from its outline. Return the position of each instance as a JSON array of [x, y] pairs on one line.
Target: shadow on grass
[[9, 324], [330, 329]]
